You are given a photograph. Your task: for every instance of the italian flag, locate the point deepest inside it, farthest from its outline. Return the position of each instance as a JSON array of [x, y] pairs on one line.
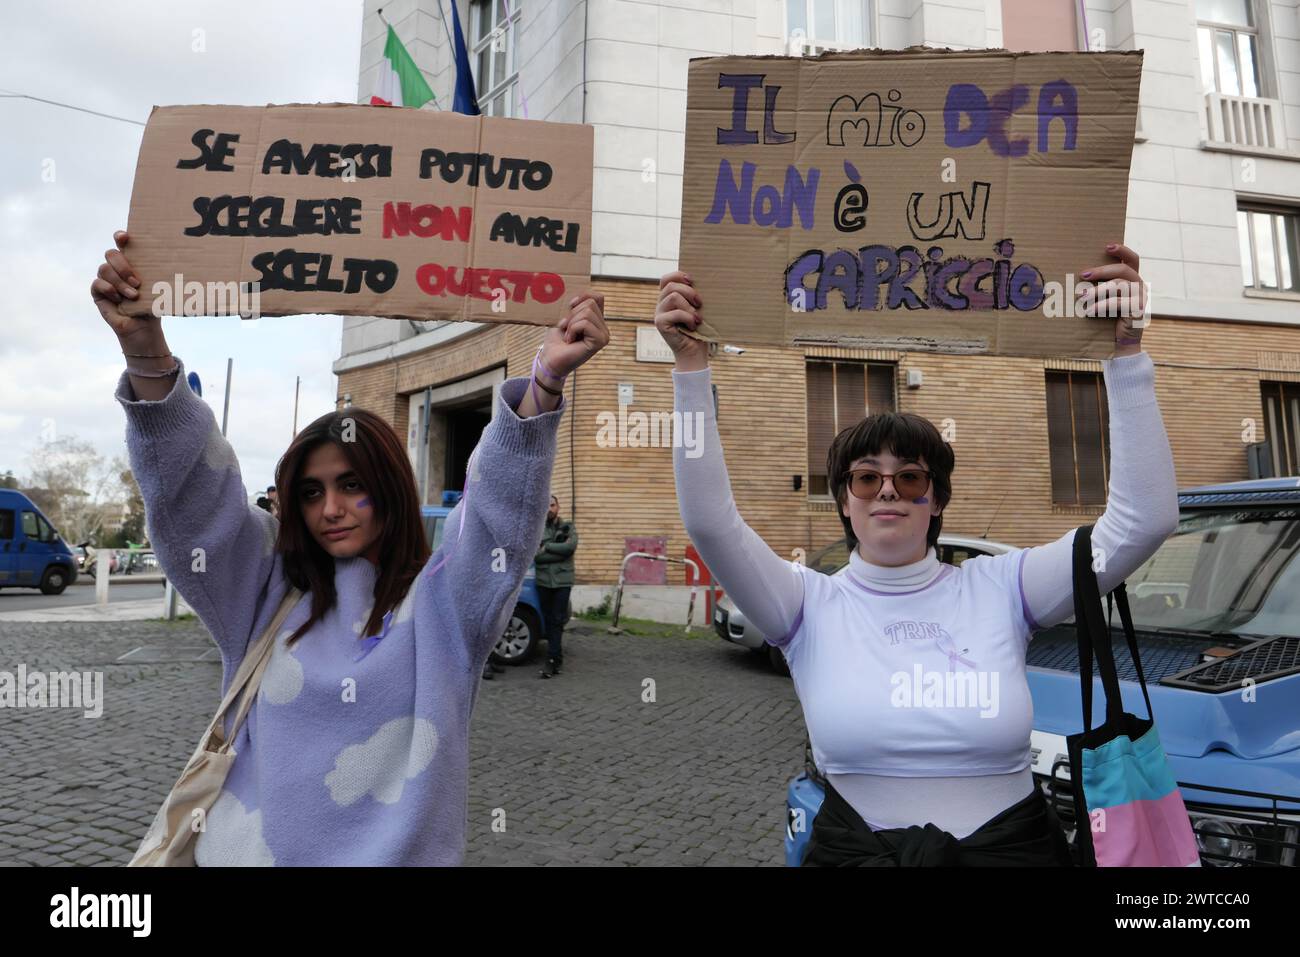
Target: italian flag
[[399, 82]]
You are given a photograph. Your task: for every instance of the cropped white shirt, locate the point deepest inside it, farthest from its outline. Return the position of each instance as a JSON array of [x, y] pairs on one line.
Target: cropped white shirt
[[912, 678]]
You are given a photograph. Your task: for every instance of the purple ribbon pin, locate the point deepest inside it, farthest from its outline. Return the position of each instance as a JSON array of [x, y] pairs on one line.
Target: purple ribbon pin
[[368, 644], [946, 644]]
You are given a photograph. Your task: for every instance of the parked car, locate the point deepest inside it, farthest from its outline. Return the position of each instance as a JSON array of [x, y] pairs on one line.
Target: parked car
[[32, 553], [1217, 615], [137, 563], [731, 624], [524, 633]]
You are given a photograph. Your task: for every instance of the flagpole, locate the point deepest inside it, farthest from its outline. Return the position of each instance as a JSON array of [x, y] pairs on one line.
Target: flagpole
[[441, 16]]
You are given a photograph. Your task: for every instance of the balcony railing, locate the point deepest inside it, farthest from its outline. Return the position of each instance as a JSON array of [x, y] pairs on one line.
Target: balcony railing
[[1244, 121]]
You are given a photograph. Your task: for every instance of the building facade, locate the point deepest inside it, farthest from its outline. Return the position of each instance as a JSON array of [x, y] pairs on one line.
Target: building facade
[[1213, 208]]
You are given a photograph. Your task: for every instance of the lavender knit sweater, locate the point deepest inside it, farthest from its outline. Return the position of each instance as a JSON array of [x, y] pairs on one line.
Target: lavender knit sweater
[[342, 761]]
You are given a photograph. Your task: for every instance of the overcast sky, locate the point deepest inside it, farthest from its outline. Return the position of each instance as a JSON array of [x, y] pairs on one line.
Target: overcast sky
[[58, 358]]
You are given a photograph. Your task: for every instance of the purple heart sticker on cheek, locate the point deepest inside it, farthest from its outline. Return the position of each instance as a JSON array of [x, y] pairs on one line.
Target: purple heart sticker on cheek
[[364, 503], [921, 501]]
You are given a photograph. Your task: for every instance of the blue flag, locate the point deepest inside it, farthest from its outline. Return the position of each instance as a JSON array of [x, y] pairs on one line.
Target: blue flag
[[465, 100]]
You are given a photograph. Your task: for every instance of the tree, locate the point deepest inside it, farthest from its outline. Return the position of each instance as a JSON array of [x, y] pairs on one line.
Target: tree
[[8, 480], [69, 482], [133, 527]]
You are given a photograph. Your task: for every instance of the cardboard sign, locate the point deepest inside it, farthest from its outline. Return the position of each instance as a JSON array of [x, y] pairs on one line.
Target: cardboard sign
[[914, 199], [361, 210]]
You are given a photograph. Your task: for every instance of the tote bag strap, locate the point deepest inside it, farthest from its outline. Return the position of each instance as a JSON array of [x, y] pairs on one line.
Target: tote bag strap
[[1093, 633], [1120, 596], [249, 676]]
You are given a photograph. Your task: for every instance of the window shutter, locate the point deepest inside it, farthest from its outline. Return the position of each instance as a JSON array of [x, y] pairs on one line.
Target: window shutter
[[1060, 438], [821, 423], [850, 394], [880, 389], [1088, 439]]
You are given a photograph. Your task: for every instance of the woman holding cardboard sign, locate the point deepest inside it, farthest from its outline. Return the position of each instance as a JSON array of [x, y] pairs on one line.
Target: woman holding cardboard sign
[[355, 749], [915, 779]]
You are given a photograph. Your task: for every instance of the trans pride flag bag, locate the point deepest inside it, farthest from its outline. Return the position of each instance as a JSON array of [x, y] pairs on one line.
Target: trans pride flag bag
[[1128, 810]]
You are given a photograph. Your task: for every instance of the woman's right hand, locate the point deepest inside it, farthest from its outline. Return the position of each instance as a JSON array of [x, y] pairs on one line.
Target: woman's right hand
[[676, 315], [116, 283]]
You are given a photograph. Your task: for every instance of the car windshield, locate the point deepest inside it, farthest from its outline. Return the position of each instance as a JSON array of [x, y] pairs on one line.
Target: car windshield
[[1223, 570], [830, 559], [433, 525]]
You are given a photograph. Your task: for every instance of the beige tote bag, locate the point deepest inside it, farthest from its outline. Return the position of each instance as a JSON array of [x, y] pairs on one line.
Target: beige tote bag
[[170, 839]]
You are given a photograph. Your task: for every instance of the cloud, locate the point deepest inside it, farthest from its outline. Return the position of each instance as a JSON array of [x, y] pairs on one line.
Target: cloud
[[380, 767], [283, 678], [232, 837]]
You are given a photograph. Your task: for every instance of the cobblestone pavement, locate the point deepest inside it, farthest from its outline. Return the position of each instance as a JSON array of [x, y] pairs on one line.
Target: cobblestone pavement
[[579, 769]]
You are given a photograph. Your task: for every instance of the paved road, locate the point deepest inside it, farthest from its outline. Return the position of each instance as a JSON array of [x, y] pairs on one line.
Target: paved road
[[585, 771], [27, 599]]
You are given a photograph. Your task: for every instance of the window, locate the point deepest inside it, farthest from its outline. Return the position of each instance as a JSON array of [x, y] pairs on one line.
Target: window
[[1270, 248], [493, 24], [36, 528], [840, 394], [1282, 425], [1077, 436], [1228, 41], [433, 528], [828, 23], [1041, 25], [6, 524]]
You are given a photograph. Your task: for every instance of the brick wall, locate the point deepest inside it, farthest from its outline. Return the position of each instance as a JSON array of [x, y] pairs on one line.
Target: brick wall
[[1208, 376]]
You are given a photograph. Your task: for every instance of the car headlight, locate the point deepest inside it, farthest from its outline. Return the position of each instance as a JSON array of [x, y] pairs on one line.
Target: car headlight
[[1227, 843]]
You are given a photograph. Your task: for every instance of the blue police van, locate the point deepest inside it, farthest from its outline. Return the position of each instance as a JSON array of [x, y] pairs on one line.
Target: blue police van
[[32, 553]]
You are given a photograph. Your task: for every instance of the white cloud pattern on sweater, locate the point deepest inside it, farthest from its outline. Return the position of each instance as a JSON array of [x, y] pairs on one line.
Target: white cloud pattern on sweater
[[381, 766], [282, 680], [232, 837]]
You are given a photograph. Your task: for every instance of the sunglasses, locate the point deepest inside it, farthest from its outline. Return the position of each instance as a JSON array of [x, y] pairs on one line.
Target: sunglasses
[[909, 482]]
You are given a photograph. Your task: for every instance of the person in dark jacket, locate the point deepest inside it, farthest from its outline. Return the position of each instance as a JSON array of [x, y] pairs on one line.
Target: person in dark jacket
[[554, 563]]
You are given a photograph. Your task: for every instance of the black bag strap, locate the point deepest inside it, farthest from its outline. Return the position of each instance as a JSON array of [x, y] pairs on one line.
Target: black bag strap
[[1120, 595], [1094, 634]]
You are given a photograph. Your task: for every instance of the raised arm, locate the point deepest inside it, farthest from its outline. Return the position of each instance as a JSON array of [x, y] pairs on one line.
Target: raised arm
[[766, 587], [1142, 501], [215, 548], [491, 536]]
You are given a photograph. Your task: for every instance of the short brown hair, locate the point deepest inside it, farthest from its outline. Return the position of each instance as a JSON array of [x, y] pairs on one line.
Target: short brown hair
[[907, 436]]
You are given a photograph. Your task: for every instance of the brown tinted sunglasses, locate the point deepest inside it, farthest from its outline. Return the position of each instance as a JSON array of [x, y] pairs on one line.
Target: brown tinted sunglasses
[[908, 482]]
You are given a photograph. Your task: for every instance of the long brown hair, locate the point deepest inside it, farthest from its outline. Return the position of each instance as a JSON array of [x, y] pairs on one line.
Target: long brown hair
[[376, 454]]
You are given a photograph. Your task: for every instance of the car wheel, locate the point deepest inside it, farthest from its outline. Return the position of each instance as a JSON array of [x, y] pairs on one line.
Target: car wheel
[[518, 643], [777, 660], [54, 581]]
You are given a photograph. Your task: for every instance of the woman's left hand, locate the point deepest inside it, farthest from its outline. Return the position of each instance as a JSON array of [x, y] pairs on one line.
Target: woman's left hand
[[578, 336], [1116, 290]]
